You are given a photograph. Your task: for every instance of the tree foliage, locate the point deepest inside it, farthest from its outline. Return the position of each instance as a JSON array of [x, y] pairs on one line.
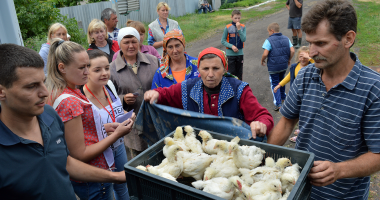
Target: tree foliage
[[67, 3], [35, 17]]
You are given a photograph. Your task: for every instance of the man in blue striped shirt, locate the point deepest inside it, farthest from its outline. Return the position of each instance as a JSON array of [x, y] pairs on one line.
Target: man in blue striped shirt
[[336, 101]]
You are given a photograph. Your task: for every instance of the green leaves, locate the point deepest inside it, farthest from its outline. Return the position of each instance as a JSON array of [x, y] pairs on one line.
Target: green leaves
[[35, 18]]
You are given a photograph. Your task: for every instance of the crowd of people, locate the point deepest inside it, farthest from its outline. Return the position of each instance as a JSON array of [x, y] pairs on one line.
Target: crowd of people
[[59, 133]]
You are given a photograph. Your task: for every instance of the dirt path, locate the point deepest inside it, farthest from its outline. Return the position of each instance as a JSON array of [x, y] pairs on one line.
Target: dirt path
[[256, 75]]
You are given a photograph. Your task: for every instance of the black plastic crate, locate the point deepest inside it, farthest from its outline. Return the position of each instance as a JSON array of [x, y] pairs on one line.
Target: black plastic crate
[[145, 186]]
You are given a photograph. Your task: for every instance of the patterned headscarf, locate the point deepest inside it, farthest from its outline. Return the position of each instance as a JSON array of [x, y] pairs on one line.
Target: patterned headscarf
[[212, 50], [177, 34], [221, 54]]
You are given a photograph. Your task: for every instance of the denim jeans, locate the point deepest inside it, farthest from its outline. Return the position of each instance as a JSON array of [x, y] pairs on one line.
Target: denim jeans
[[120, 190], [280, 95], [204, 8], [93, 191]]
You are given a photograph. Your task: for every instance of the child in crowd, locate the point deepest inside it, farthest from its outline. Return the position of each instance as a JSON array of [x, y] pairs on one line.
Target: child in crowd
[[233, 38], [67, 69], [302, 55], [279, 51], [103, 96]]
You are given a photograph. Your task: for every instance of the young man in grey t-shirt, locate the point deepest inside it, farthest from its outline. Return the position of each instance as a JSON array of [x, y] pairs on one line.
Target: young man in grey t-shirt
[[294, 23]]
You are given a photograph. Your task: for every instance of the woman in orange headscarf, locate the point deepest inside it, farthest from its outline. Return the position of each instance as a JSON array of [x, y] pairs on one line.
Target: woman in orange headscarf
[[216, 92], [176, 66]]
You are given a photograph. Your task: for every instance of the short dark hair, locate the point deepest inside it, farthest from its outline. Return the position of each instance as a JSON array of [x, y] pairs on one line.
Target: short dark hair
[[96, 53], [14, 56], [340, 14], [235, 12]]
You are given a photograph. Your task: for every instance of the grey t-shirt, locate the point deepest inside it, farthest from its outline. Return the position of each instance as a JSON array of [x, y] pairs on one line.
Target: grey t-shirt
[[294, 11], [105, 49]]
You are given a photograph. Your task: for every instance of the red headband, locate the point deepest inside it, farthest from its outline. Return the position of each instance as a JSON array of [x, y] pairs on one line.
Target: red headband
[[215, 51]]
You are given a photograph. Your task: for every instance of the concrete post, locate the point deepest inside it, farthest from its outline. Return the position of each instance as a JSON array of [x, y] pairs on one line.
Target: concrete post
[[9, 28]]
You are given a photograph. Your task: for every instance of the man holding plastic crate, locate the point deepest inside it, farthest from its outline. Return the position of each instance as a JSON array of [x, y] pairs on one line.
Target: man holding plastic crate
[[336, 101]]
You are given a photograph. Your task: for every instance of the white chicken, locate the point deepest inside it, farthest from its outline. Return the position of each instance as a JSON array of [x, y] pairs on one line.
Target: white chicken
[[251, 150], [269, 162], [194, 165], [239, 195], [246, 176], [271, 187], [168, 142], [282, 163], [285, 196], [157, 172], [208, 142], [265, 173], [245, 161], [191, 140], [140, 167], [222, 148], [179, 138], [223, 165], [178, 135], [172, 164], [290, 177], [220, 187]]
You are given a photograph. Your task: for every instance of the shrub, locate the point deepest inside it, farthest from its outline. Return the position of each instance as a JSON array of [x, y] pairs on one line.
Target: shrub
[[241, 3], [35, 17], [35, 42]]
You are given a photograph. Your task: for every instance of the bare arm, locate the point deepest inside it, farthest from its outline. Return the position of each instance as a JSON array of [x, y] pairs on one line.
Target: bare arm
[[84, 172], [74, 136], [325, 172], [287, 6], [264, 56], [282, 131], [298, 4], [158, 44]]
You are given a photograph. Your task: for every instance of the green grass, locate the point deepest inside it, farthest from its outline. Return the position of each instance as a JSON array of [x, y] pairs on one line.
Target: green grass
[[368, 37], [241, 3], [200, 26]]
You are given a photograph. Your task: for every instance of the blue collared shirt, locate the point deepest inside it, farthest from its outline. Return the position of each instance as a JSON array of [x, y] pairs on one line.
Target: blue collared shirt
[[30, 170], [337, 125]]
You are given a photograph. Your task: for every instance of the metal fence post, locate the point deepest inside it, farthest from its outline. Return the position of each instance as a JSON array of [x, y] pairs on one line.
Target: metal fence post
[[9, 28]]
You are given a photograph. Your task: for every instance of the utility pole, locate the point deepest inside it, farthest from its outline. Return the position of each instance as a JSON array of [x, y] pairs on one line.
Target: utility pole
[[9, 28]]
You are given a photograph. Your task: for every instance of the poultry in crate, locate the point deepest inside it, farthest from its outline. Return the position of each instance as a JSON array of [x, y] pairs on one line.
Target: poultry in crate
[[271, 189], [194, 165], [220, 187], [222, 149], [282, 163], [179, 138], [251, 150], [191, 140], [172, 164], [223, 165], [208, 142], [250, 161], [290, 177], [157, 172], [170, 141], [285, 196]]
